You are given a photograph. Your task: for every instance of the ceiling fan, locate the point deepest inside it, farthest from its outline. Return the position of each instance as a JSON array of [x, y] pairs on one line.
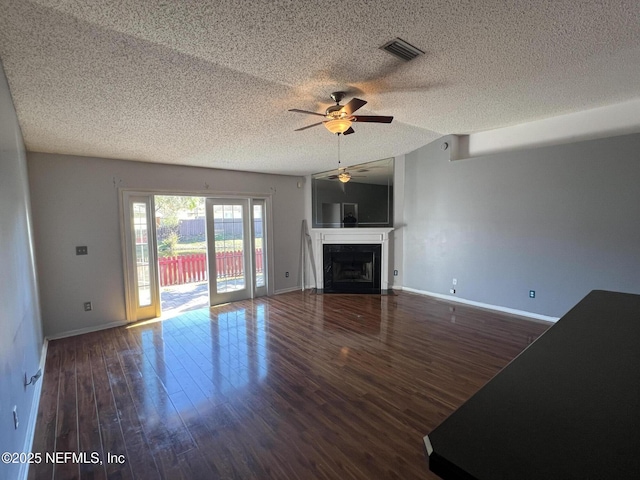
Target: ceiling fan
[[343, 175], [338, 118]]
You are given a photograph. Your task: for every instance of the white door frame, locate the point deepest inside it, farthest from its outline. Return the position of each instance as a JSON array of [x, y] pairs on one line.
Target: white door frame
[[129, 282], [133, 311], [251, 290], [266, 259]]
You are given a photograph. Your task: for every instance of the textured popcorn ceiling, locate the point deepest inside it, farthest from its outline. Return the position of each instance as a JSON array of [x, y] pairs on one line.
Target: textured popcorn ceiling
[[209, 83]]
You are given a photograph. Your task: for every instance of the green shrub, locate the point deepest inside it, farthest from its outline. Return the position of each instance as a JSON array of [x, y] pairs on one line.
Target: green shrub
[[168, 245]]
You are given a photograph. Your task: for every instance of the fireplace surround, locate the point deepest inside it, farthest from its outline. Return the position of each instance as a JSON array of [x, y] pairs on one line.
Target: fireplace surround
[[353, 270]]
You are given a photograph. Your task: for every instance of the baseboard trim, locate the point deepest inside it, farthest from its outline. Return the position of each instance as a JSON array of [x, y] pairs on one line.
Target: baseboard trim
[[23, 473], [80, 331], [498, 308], [287, 290]]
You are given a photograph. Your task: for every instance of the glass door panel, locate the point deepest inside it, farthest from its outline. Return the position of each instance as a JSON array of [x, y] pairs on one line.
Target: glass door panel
[[229, 246], [228, 224], [143, 269], [237, 242], [140, 260], [259, 247]]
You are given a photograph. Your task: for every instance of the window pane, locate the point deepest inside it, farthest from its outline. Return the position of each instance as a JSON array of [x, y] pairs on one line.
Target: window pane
[[259, 244], [229, 233], [142, 254]]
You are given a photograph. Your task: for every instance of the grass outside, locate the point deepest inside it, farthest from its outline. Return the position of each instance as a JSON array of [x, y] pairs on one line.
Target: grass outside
[[201, 247]]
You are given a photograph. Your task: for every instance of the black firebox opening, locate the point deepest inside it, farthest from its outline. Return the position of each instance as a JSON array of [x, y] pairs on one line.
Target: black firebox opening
[[352, 268]]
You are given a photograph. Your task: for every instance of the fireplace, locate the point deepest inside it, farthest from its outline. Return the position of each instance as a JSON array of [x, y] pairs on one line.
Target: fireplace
[[352, 268], [370, 238]]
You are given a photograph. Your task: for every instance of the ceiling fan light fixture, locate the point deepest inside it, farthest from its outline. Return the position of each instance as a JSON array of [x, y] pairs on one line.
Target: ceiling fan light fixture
[[338, 125], [344, 177]]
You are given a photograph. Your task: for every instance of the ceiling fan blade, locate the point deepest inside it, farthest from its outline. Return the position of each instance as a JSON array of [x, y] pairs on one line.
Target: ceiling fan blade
[[372, 118], [349, 131], [353, 105], [332, 177], [308, 126], [370, 167], [297, 110]]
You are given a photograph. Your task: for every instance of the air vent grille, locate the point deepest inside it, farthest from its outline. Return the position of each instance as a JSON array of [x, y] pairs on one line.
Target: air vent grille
[[402, 49]]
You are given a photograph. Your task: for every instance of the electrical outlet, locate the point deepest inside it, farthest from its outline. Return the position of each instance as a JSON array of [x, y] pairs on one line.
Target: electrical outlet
[[15, 417], [452, 291], [286, 274], [88, 307], [395, 273], [82, 250], [532, 294], [455, 281]]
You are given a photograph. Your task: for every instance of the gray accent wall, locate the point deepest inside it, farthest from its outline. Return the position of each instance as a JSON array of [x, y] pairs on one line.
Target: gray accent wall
[[560, 220], [21, 337], [76, 202]]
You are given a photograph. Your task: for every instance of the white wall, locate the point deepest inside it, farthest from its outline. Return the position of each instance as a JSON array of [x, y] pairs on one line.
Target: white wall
[[602, 122], [76, 202], [560, 220], [20, 324]]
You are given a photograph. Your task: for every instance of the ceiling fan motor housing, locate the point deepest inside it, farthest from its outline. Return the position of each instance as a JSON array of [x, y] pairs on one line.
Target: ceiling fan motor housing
[[338, 96], [336, 111]]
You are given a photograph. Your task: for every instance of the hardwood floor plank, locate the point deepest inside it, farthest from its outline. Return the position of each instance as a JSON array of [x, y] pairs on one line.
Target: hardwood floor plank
[[89, 439], [138, 452], [111, 436], [168, 426], [296, 386], [67, 426]]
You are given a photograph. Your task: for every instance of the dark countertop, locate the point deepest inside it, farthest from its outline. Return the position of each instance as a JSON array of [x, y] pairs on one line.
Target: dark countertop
[[568, 407]]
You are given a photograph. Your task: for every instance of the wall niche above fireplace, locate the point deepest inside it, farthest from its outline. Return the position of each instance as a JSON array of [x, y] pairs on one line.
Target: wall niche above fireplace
[[368, 196]]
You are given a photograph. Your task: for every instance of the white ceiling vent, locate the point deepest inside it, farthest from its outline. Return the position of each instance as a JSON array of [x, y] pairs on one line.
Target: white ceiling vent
[[402, 49]]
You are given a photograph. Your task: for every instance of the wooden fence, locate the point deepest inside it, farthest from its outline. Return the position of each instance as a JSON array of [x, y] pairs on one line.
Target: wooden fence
[[193, 268]]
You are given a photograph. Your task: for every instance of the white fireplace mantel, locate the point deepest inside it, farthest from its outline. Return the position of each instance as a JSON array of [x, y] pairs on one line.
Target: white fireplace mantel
[[374, 236]]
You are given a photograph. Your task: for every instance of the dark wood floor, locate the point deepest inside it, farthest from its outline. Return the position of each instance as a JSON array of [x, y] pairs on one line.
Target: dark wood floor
[[297, 386]]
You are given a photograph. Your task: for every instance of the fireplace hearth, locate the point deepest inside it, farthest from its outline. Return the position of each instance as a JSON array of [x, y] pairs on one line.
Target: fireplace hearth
[[352, 268]]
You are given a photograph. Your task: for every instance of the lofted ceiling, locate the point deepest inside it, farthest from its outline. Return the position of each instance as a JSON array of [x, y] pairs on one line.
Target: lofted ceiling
[[209, 83]]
